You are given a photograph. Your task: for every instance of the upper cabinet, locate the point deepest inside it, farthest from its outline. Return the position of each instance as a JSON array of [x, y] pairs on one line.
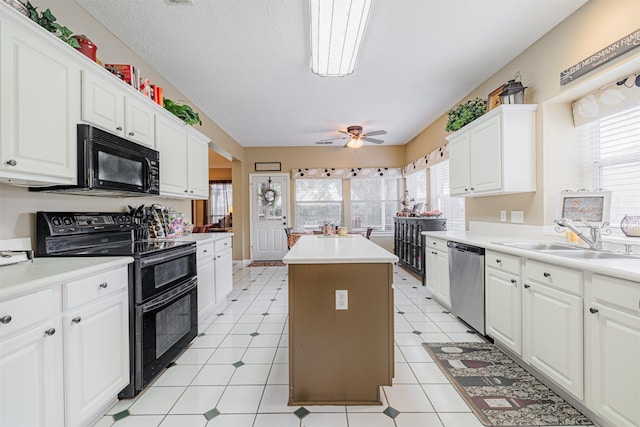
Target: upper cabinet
[[106, 104], [39, 106], [495, 154]]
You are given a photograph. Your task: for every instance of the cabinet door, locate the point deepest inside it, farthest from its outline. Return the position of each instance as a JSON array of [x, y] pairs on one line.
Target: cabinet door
[[102, 103], [224, 274], [442, 285], [431, 270], [96, 356], [504, 309], [171, 142], [139, 121], [39, 110], [459, 180], [31, 378], [198, 169], [485, 154], [553, 336], [615, 346], [206, 287]]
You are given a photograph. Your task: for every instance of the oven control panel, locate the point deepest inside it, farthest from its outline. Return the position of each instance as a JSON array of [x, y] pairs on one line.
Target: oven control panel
[[68, 223]]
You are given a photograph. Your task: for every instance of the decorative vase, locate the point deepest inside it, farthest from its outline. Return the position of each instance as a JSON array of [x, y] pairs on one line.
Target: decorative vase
[[19, 6], [87, 47]]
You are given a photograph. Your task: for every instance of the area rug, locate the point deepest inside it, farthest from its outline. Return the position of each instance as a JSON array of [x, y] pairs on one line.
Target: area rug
[[499, 391], [267, 264]]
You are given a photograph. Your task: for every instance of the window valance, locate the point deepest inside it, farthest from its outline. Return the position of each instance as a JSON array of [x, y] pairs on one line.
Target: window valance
[[612, 99], [424, 162], [345, 173]]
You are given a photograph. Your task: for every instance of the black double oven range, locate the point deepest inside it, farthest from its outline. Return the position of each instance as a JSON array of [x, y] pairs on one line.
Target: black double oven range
[[163, 306]]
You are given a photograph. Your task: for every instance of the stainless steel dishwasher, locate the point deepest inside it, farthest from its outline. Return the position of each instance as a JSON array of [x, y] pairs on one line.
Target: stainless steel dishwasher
[[466, 275]]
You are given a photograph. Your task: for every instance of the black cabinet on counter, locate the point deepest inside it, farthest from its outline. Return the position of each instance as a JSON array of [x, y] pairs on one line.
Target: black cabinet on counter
[[409, 241]]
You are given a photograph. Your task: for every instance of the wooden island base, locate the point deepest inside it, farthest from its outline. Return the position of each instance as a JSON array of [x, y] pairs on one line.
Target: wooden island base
[[340, 357]]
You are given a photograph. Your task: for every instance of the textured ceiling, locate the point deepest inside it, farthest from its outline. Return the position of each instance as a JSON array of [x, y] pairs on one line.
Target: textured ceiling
[[245, 63]]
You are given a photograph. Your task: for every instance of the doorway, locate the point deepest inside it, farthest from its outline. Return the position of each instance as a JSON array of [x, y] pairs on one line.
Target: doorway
[[269, 205]]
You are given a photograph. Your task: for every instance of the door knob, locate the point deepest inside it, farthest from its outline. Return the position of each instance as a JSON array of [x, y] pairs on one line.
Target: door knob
[[545, 274], [119, 128], [5, 319], [12, 162], [50, 332], [103, 285], [76, 319], [131, 133], [514, 281], [593, 310], [526, 286]]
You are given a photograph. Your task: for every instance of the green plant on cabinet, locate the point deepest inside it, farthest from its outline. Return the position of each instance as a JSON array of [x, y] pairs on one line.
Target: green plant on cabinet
[[183, 112], [465, 113], [47, 21]]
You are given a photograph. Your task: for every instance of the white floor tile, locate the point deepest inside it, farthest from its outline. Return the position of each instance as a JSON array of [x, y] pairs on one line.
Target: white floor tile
[[274, 400], [428, 373], [263, 340], [459, 420], [271, 328], [156, 400], [219, 328], [275, 318], [370, 420], [195, 356], [250, 319], [426, 326], [184, 421], [240, 400], [121, 405], [226, 356], [277, 420], [370, 408], [441, 317], [244, 328], [105, 421], [214, 375], [140, 421], [414, 354], [404, 374], [445, 398], [406, 419], [251, 375], [407, 398], [198, 400], [178, 375], [324, 420], [435, 337], [259, 355], [232, 420], [464, 337], [452, 327], [279, 374], [282, 355], [407, 338], [241, 341], [207, 341], [326, 408]]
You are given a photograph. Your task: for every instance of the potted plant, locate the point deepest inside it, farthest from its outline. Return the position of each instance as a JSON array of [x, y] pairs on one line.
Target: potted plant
[[465, 113], [183, 112]]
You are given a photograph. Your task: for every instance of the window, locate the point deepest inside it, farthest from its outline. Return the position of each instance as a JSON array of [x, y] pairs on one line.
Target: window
[[451, 207], [318, 201], [219, 201], [417, 186], [615, 161], [374, 202]]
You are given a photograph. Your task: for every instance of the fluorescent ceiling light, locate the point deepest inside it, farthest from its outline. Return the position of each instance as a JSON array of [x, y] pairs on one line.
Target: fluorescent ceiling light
[[336, 31], [355, 143]]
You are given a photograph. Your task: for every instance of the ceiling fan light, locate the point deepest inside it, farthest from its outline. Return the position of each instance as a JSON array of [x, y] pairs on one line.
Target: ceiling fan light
[[337, 27], [355, 143]]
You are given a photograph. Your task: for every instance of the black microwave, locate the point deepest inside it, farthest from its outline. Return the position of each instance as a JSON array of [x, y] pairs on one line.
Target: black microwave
[[109, 165]]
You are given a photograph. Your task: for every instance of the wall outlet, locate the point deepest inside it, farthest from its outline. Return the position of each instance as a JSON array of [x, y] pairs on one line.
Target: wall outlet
[[503, 216], [517, 217], [342, 300]]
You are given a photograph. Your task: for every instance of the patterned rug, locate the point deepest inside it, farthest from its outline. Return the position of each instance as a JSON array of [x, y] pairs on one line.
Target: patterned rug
[[501, 392], [267, 264]]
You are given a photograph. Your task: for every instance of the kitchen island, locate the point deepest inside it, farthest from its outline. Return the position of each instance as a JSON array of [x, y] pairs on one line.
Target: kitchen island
[[340, 320]]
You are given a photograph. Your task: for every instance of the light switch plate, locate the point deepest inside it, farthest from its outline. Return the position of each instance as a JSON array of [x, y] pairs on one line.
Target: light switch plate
[[342, 299], [503, 216], [517, 217]]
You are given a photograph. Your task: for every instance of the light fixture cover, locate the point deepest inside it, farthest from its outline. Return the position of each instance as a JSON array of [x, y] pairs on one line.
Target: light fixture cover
[[336, 31], [355, 143]]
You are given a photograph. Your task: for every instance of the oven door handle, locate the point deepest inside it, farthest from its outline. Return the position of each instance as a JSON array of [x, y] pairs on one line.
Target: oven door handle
[[159, 259], [171, 296]]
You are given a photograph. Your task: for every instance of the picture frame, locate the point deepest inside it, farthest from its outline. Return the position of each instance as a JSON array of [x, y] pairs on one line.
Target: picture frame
[[268, 167], [594, 206], [493, 100]]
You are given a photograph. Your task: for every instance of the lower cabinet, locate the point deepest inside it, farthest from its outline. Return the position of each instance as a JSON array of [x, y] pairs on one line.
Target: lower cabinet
[[614, 321], [31, 360], [437, 270], [206, 279], [223, 274], [96, 343], [553, 324]]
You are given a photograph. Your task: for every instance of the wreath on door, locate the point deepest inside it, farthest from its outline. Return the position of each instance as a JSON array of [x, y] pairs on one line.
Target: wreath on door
[[269, 195]]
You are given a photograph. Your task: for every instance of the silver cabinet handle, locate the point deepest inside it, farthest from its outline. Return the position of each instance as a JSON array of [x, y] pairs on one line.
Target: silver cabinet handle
[[514, 281], [131, 133], [526, 286], [191, 191], [5, 319], [499, 261], [103, 285], [593, 310], [12, 162], [545, 274], [50, 332], [119, 128], [76, 319], [205, 251]]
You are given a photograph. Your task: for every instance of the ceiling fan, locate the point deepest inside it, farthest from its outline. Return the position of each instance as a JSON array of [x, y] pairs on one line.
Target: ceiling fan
[[356, 137]]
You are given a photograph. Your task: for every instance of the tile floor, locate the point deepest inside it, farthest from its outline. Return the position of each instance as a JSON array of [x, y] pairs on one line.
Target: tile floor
[[235, 373]]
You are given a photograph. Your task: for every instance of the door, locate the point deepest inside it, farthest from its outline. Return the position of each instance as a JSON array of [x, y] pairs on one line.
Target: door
[[171, 142], [459, 164], [504, 309], [223, 274], [269, 216], [139, 122]]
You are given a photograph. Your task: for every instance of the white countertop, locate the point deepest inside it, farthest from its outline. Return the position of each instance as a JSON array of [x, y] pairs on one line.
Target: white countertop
[[203, 237], [18, 279], [351, 249], [623, 268]]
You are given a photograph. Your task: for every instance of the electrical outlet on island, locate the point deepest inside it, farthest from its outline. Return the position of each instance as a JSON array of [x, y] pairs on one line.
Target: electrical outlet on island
[[342, 300]]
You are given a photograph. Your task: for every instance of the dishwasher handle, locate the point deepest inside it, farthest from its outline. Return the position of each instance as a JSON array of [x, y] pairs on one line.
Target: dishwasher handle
[[463, 247]]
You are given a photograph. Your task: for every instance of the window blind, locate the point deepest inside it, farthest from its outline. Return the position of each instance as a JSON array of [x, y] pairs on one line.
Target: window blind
[[451, 207], [318, 201], [374, 202], [613, 144], [417, 186]]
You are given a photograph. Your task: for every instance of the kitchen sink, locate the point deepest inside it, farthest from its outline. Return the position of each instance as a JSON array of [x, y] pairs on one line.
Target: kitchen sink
[[535, 246], [589, 254]]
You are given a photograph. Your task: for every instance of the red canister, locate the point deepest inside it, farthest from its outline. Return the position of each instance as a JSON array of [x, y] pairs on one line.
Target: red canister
[[87, 47]]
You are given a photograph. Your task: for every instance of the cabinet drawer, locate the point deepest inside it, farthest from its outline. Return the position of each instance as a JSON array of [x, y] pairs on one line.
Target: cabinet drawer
[[89, 288], [23, 311], [620, 292], [223, 244], [555, 276], [204, 252], [437, 244], [503, 262]]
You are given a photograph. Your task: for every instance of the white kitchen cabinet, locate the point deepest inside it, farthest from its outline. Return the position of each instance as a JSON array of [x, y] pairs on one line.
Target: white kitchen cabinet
[[553, 324], [106, 104], [437, 271], [495, 154], [206, 279], [223, 274], [31, 360], [96, 343], [184, 160], [503, 299], [39, 107], [614, 328]]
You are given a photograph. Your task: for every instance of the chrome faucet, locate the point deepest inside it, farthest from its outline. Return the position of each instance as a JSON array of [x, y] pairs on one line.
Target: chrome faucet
[[595, 241]]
